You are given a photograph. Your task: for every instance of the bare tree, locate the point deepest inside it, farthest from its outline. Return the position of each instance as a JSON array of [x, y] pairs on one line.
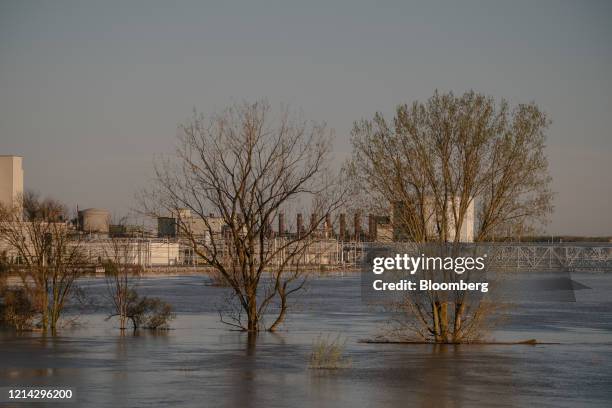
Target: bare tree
[[245, 166], [438, 159], [122, 273], [45, 252]]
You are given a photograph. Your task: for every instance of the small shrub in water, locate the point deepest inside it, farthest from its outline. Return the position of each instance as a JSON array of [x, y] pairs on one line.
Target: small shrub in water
[[151, 313]]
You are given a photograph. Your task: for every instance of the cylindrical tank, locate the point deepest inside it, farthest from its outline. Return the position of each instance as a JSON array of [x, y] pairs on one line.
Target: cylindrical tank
[[94, 220]]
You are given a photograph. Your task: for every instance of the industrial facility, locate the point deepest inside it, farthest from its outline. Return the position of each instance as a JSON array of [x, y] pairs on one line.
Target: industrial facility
[[332, 243]]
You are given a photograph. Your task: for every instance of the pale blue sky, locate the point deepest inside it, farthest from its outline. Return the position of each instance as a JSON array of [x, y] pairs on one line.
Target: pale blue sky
[[91, 91]]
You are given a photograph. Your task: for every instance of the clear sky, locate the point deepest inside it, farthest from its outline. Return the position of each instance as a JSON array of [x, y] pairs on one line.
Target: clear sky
[[92, 91]]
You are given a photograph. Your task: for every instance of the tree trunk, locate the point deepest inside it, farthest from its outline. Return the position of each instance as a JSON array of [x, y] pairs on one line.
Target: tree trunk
[[436, 322], [459, 310], [45, 311], [54, 319], [253, 318], [56, 313], [251, 343], [443, 315], [281, 314]]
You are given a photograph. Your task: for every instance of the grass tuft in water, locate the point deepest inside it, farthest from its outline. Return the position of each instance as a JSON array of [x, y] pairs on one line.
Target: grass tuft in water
[[328, 354]]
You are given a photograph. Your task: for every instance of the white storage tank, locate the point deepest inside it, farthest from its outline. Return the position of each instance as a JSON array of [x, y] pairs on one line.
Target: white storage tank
[[94, 220]]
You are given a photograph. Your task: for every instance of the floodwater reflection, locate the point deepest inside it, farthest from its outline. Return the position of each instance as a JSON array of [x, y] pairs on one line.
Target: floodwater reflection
[[200, 362]]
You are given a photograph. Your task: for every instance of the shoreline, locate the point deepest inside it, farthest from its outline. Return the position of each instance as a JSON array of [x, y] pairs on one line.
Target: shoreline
[[173, 271]]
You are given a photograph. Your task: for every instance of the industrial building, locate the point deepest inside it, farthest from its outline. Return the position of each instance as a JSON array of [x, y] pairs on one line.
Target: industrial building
[[95, 222], [146, 252], [183, 224], [466, 232], [171, 247]]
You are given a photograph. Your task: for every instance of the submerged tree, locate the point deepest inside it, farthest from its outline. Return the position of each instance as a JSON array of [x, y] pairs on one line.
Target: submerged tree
[[16, 309], [245, 166], [438, 161], [121, 272], [149, 313], [46, 253]]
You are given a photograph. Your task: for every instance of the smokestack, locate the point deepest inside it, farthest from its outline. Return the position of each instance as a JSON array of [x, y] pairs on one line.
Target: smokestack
[[281, 224], [300, 224], [357, 224], [313, 223], [342, 232], [329, 231], [372, 227], [269, 232]]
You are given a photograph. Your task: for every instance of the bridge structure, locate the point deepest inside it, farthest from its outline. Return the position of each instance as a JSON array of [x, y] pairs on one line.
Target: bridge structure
[[554, 256]]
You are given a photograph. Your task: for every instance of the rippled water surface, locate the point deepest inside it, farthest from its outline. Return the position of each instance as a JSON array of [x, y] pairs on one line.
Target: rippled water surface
[[203, 363]]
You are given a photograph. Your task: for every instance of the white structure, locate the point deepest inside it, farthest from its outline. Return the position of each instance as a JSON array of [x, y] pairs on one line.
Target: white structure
[[94, 220], [466, 234], [430, 212], [162, 253], [144, 252], [11, 180]]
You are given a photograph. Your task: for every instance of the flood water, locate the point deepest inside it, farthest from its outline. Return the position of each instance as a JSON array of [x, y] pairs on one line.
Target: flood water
[[201, 362]]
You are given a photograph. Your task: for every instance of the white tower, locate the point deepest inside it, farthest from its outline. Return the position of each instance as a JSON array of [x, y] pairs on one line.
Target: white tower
[[11, 180]]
